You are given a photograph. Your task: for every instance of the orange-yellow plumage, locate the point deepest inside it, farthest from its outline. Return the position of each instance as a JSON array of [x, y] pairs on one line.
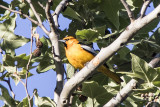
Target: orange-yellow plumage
[[78, 57]]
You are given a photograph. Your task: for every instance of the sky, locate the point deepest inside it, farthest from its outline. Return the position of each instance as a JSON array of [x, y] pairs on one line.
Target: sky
[[44, 82]]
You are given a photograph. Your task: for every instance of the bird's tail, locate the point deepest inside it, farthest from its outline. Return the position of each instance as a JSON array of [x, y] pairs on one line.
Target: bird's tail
[[110, 74]]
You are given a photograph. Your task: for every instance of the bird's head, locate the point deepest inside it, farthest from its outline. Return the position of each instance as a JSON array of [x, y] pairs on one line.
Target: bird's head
[[69, 41]]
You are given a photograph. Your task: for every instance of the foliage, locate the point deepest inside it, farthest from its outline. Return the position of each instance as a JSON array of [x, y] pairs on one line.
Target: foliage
[[92, 22]]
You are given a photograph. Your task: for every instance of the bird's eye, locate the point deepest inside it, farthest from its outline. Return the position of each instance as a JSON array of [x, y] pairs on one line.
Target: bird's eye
[[67, 39]]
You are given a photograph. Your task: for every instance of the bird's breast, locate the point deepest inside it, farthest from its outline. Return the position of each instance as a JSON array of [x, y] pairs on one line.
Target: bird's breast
[[77, 56]]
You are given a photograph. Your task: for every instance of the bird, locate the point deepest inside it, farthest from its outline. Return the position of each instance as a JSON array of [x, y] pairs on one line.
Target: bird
[[79, 54]]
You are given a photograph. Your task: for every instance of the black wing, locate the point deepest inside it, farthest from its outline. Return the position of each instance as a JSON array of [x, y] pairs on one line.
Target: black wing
[[88, 49]]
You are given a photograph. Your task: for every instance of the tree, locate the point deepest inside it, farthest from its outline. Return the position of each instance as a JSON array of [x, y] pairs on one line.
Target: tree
[[111, 24]]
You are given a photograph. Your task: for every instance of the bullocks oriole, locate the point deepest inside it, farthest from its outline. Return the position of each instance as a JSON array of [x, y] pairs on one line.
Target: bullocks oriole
[[78, 55]]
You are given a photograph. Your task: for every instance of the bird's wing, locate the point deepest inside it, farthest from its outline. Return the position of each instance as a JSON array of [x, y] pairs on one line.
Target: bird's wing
[[88, 49], [91, 50]]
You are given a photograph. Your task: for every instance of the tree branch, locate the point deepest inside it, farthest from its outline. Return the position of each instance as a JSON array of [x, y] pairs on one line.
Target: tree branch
[[144, 7], [57, 11], [122, 94], [154, 62], [130, 14], [101, 57], [26, 16], [49, 16], [34, 11], [54, 35]]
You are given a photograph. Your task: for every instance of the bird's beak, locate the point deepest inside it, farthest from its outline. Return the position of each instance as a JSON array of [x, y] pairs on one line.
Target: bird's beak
[[63, 41]]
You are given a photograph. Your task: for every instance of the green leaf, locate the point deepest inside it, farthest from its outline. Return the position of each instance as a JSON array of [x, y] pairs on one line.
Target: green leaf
[[149, 27], [111, 8], [69, 12], [101, 30], [14, 43], [22, 60], [155, 37], [22, 73], [7, 28], [11, 69], [142, 70], [89, 34], [93, 90], [46, 63], [25, 103], [156, 82], [8, 60], [21, 5], [46, 44], [38, 9], [3, 3], [8, 100], [156, 3], [100, 78], [6, 15], [43, 101], [145, 49], [122, 59], [70, 70]]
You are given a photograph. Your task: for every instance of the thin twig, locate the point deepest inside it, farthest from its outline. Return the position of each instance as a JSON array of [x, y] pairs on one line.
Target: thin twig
[[144, 7], [29, 61], [41, 5], [49, 16], [130, 14], [57, 11], [27, 67], [16, 75], [34, 11], [9, 84], [26, 16], [33, 95]]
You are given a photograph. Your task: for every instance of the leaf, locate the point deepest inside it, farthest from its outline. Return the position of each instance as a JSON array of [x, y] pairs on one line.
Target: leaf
[[8, 100], [111, 8], [6, 15], [100, 78], [70, 70], [8, 60], [89, 34], [156, 3], [11, 69], [3, 3], [7, 28], [156, 82], [25, 103], [69, 12], [155, 36], [46, 63], [44, 40], [149, 27], [142, 70], [22, 73], [14, 43], [22, 60], [93, 90], [101, 30], [43, 101], [39, 10]]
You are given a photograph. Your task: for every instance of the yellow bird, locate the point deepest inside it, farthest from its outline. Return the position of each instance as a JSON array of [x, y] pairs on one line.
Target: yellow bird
[[78, 55]]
